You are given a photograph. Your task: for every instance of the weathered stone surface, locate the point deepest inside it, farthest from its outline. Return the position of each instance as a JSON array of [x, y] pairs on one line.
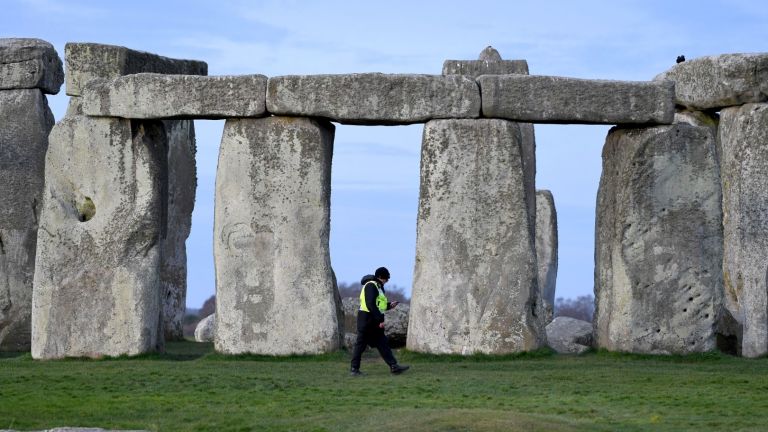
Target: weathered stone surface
[[182, 183], [155, 96], [546, 250], [25, 121], [475, 277], [550, 99], [569, 335], [489, 63], [30, 63], [374, 98], [395, 322], [206, 329], [97, 284], [715, 82], [743, 136], [658, 257], [275, 290], [86, 61]]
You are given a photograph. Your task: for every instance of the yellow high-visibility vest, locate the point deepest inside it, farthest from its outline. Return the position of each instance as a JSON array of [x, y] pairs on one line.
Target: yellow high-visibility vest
[[381, 299]]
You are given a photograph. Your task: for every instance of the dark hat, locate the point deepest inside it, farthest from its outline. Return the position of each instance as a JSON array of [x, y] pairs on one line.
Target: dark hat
[[382, 273]]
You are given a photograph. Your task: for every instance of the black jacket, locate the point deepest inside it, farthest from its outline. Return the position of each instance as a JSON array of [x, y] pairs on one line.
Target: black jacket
[[374, 317]]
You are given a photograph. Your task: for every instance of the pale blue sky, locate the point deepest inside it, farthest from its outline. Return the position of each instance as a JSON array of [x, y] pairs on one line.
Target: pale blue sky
[[374, 217]]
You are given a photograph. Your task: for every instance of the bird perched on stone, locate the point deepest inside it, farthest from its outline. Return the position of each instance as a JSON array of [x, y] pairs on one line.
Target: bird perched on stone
[[680, 59]]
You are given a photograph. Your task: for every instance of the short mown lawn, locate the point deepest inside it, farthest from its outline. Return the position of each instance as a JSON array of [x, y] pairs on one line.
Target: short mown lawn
[[192, 388]]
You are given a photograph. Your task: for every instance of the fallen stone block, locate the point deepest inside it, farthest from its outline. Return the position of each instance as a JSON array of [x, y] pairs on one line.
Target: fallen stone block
[[488, 63], [87, 61], [569, 335], [658, 241], [474, 286], [715, 82], [206, 329], [155, 96], [374, 98], [25, 121], [743, 136], [97, 284], [28, 64], [275, 289], [549, 99], [546, 251]]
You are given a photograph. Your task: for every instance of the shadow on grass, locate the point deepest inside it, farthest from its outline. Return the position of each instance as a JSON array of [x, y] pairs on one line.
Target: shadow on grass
[[12, 354]]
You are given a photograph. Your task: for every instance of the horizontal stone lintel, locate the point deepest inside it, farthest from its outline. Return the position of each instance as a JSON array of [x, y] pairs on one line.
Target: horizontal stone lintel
[[374, 98], [156, 96], [551, 99], [87, 61], [27, 63]]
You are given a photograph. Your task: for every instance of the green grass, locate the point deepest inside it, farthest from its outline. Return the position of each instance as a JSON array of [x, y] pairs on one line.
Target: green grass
[[192, 388]]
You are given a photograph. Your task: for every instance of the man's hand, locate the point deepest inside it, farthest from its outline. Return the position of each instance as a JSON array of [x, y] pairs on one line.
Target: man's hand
[[393, 304], [381, 325]]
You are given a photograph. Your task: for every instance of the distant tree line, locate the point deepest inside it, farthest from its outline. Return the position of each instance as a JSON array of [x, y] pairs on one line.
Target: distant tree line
[[583, 307]]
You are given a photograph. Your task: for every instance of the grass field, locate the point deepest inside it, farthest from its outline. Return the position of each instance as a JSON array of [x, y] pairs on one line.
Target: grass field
[[192, 388]]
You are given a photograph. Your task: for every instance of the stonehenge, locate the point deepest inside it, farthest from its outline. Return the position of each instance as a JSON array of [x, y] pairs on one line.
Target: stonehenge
[[29, 69], [98, 207]]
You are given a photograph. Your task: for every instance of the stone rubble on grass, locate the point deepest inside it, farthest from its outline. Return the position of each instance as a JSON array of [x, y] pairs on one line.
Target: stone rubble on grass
[[569, 335], [395, 323], [206, 329]]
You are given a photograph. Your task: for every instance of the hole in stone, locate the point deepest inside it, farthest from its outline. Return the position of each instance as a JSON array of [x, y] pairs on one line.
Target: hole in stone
[[706, 315], [685, 310], [690, 299], [86, 209], [658, 330]]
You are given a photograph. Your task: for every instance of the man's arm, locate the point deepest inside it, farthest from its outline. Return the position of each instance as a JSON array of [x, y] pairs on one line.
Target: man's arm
[[370, 300]]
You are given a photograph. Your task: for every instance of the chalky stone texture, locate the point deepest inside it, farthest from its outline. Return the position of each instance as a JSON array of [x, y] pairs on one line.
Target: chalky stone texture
[[155, 96], [715, 82], [744, 169], [97, 270], [546, 250], [182, 183], [658, 257], [205, 330], [25, 121], [475, 278], [87, 61], [275, 289], [28, 64], [549, 99], [374, 98], [569, 335], [489, 63]]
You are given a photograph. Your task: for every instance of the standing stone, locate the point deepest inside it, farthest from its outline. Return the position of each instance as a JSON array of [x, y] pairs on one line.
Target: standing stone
[[475, 277], [546, 250], [182, 183], [714, 82], [99, 247], [28, 68], [275, 290], [743, 137], [658, 239], [28, 64]]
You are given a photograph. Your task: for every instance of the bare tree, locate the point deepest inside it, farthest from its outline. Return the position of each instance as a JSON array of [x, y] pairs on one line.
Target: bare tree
[[583, 307]]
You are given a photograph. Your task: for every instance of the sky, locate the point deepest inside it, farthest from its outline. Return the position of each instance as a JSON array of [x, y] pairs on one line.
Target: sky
[[373, 217]]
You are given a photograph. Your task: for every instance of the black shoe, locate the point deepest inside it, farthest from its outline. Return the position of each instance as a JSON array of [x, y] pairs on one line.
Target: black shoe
[[397, 369], [355, 372]]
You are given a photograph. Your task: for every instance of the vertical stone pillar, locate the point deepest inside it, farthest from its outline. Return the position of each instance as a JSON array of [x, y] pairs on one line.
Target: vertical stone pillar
[[658, 238], [182, 184], [103, 219], [475, 281], [546, 251], [28, 69], [743, 139], [275, 290]]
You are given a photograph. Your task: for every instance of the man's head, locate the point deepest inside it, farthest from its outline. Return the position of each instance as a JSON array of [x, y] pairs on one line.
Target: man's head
[[382, 274]]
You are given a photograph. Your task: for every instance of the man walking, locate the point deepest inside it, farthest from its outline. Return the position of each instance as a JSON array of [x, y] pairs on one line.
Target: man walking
[[370, 322]]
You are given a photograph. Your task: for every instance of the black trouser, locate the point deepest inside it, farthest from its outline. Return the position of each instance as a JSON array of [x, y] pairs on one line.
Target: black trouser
[[375, 338]]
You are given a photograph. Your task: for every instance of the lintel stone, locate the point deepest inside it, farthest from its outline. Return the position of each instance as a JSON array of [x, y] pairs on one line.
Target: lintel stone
[[156, 96], [715, 82], [374, 98], [27, 63], [488, 63], [86, 61], [551, 99]]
